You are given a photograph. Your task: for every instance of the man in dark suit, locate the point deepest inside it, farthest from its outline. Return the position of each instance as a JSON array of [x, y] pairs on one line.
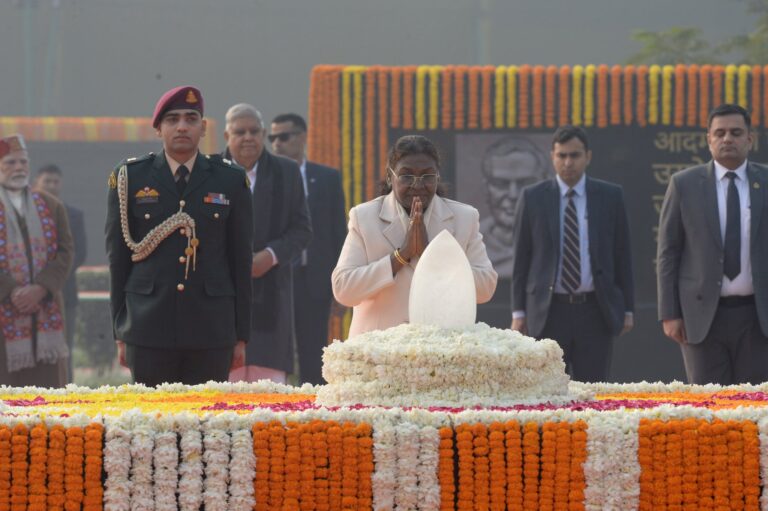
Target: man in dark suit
[[49, 179], [281, 231], [572, 275], [712, 261], [178, 234], [312, 293]]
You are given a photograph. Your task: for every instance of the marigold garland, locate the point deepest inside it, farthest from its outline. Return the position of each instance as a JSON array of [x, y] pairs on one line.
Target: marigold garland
[[5, 467], [563, 94], [730, 85], [548, 466], [395, 101], [466, 473], [346, 136], [629, 73], [446, 470], [704, 98], [459, 98], [513, 439], [563, 452], [523, 111], [357, 143], [434, 96], [499, 100], [642, 98], [349, 490], [578, 457], [690, 463], [576, 90], [654, 72], [755, 102], [667, 72], [616, 76], [409, 75], [751, 469], [365, 465], [550, 86], [588, 96], [292, 468], [537, 113], [717, 85], [446, 98], [482, 466], [335, 464], [370, 130], [421, 97], [512, 72], [383, 126], [531, 466], [473, 97], [744, 73], [602, 96], [765, 95], [322, 488], [38, 455], [486, 109], [19, 467], [692, 94], [680, 103], [497, 467]]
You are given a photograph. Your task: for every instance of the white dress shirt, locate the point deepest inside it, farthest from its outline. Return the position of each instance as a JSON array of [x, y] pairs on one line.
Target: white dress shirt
[[580, 201], [742, 284]]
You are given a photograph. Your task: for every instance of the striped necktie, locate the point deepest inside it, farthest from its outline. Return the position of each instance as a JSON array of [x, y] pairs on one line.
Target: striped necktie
[[570, 276]]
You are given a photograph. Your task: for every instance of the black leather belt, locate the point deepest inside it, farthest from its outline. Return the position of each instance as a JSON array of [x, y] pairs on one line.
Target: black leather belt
[[574, 298], [736, 300]]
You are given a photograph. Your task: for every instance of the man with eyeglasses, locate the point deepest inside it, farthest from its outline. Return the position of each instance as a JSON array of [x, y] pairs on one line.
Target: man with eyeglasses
[[312, 294], [281, 231], [572, 275]]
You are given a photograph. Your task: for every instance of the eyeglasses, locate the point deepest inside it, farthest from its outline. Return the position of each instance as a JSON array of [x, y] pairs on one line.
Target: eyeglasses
[[283, 137], [410, 180]]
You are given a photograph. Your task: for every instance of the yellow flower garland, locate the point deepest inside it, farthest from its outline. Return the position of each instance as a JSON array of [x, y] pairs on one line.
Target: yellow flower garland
[[666, 94], [730, 86], [576, 91], [499, 101], [589, 97], [653, 94]]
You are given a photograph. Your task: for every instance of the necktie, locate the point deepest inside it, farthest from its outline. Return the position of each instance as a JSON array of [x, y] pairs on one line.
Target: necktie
[[571, 274], [181, 178], [732, 260]]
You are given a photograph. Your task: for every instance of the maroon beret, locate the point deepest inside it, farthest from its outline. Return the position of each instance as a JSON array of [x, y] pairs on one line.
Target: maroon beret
[[178, 98]]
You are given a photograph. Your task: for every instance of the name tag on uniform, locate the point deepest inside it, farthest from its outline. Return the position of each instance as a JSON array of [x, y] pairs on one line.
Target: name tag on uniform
[[216, 198]]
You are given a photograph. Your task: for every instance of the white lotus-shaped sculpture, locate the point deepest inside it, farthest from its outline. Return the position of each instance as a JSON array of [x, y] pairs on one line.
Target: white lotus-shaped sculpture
[[443, 288]]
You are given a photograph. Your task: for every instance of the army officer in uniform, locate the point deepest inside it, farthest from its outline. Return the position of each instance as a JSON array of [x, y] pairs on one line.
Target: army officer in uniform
[[178, 234]]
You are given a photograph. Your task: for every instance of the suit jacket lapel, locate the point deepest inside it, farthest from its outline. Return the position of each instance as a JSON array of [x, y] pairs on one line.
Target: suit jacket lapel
[[757, 186], [711, 211], [262, 201], [161, 173], [200, 174], [393, 231], [312, 186], [552, 205], [440, 218], [595, 215]]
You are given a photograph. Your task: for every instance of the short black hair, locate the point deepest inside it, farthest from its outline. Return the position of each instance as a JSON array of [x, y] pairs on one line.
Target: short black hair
[[406, 146], [568, 132], [729, 109], [50, 168], [297, 120]]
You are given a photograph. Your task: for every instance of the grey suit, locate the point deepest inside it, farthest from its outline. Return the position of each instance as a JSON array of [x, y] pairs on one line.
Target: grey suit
[[537, 259], [690, 273]]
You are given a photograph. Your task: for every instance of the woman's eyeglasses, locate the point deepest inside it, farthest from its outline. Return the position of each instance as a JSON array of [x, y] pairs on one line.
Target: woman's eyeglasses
[[283, 137], [410, 180]]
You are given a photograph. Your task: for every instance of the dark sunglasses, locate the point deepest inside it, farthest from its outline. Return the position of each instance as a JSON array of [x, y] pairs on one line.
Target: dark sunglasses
[[283, 137]]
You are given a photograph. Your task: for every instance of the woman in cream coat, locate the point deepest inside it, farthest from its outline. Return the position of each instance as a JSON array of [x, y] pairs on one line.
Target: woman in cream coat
[[388, 234]]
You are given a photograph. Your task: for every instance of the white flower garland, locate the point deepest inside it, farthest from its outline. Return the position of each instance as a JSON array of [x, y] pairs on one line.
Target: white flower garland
[[166, 462], [191, 466], [117, 465], [217, 442], [142, 444], [429, 460], [612, 470], [242, 467], [384, 480], [407, 449]]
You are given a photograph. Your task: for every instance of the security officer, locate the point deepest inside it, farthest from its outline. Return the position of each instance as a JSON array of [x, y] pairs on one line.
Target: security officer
[[178, 235]]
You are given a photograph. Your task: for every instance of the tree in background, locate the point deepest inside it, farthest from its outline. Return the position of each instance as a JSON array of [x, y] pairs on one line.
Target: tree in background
[[685, 45]]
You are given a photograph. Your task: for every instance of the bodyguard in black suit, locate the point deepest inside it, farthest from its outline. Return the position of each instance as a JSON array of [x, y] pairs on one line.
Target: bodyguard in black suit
[[572, 276], [281, 231], [312, 293], [178, 233], [49, 179]]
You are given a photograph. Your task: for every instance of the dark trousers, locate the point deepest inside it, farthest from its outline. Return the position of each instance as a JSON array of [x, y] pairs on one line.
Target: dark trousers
[[153, 366], [734, 351], [585, 339], [311, 316]]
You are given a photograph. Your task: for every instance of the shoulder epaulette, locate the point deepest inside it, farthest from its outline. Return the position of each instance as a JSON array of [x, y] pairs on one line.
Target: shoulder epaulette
[[138, 159]]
